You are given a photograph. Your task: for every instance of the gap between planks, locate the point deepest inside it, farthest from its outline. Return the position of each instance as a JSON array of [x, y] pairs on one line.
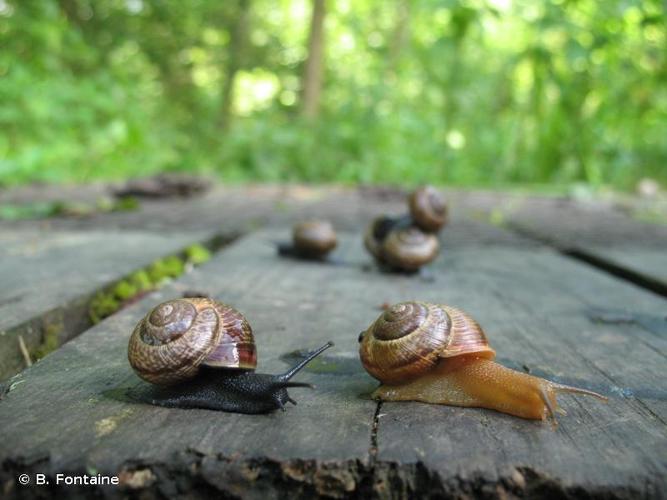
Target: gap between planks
[[639, 279], [73, 308]]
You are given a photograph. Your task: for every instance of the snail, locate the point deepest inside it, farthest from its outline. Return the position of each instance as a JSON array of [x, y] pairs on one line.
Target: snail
[[408, 249], [400, 247], [428, 208], [438, 354], [376, 233], [203, 354], [313, 239]]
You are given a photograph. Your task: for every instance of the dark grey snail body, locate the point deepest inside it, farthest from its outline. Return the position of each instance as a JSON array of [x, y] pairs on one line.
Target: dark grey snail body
[[199, 353], [231, 390]]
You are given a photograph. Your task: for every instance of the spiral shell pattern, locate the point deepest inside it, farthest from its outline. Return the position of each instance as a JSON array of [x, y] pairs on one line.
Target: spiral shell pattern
[[410, 248], [410, 338], [314, 237], [171, 343], [428, 208]]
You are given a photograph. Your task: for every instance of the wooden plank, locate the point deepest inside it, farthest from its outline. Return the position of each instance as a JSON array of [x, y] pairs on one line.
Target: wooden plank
[[48, 277], [231, 207], [600, 233], [109, 434], [540, 309], [537, 310], [223, 209]]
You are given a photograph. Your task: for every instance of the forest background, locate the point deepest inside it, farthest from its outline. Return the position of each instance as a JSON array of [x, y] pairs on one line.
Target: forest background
[[453, 92]]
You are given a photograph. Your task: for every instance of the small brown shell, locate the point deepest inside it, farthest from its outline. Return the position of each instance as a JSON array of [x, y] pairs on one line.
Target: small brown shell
[[410, 338], [428, 208], [315, 238], [375, 234], [409, 248], [177, 337]]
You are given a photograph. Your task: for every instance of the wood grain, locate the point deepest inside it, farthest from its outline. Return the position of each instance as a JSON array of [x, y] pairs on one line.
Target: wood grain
[[48, 277], [542, 312]]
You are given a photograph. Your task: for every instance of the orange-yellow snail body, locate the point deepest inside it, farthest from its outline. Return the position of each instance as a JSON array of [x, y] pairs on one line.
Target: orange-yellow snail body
[[438, 354]]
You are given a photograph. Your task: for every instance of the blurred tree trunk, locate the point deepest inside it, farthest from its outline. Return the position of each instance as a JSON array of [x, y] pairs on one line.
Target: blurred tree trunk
[[235, 60], [400, 35], [312, 76]]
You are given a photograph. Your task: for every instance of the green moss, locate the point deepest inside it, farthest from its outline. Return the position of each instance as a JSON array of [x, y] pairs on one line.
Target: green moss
[[28, 210], [497, 217], [141, 281], [65, 208], [162, 269], [197, 254], [652, 216], [126, 203], [50, 341], [124, 290], [102, 305], [107, 302]]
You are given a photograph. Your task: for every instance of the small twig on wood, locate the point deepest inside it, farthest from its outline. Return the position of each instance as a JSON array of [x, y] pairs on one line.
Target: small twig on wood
[[24, 351]]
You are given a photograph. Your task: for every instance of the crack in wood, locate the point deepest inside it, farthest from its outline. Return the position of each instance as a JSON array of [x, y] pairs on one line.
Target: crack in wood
[[598, 262], [76, 310], [373, 449]]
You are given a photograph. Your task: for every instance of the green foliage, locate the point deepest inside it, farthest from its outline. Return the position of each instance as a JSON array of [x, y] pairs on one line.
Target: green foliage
[[446, 91], [124, 290], [163, 269], [38, 210], [141, 281], [197, 254], [107, 302], [102, 305], [50, 341]]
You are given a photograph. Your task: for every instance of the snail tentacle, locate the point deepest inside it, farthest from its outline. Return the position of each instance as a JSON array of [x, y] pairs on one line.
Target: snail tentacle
[[200, 353], [439, 354], [577, 390], [300, 365], [231, 390]]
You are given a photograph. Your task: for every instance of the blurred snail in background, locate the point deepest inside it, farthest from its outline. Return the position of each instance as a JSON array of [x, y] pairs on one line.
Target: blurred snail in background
[[312, 240], [400, 248], [438, 354], [428, 208], [408, 242], [202, 352]]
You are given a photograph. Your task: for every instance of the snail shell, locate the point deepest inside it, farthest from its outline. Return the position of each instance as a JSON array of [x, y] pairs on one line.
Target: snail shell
[[315, 238], [428, 208], [172, 341], [409, 248], [410, 338], [375, 234]]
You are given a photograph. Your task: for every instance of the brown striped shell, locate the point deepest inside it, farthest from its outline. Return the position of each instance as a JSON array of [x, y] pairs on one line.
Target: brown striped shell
[[177, 337], [315, 237], [428, 208], [409, 248], [410, 338]]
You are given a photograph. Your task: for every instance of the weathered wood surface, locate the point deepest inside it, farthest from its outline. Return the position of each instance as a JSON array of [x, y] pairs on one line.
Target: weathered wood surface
[[554, 316], [604, 233], [240, 208], [48, 277], [50, 268]]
